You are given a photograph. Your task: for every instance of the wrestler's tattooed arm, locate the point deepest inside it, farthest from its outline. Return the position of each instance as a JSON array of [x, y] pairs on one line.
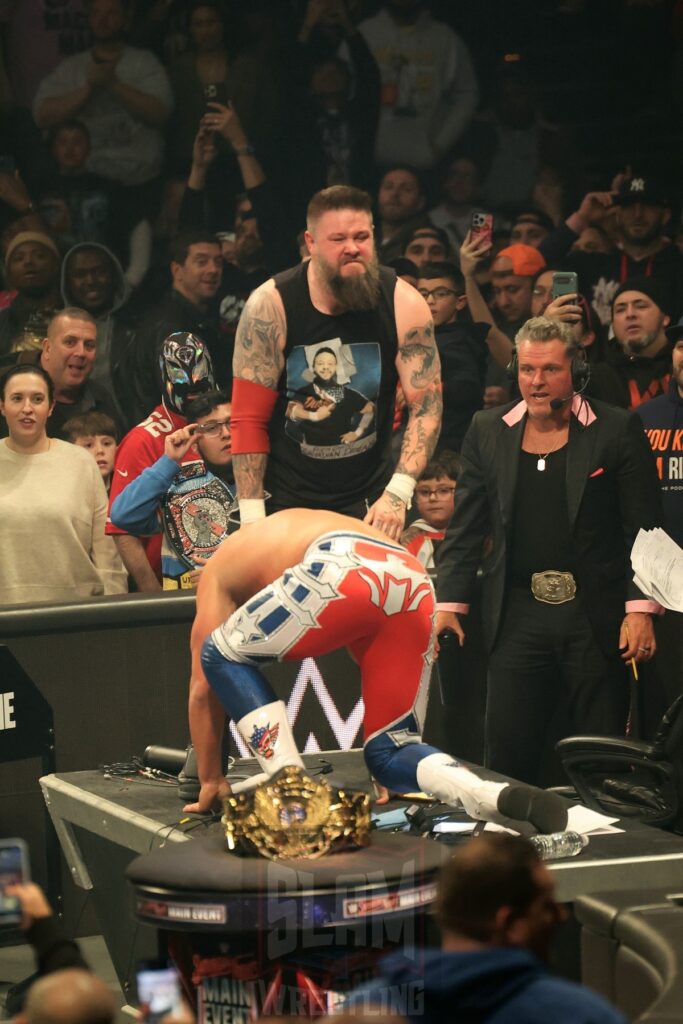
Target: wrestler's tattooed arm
[[258, 357], [419, 371]]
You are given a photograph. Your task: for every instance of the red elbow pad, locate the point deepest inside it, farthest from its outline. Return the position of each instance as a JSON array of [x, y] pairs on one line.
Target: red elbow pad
[[252, 408]]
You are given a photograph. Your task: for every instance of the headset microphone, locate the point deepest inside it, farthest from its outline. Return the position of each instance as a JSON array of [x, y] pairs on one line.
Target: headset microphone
[[557, 403]]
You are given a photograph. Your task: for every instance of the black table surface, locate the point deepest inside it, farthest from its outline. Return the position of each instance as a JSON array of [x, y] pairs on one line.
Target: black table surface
[[638, 857]]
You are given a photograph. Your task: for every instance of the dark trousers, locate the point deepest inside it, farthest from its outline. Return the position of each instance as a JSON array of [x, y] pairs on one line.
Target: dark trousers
[[546, 661]]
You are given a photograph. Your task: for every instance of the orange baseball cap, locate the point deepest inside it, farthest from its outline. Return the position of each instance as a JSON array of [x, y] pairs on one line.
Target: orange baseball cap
[[526, 261]]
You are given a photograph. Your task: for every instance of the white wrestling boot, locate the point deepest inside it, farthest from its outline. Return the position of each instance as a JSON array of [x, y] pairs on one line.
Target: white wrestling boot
[[270, 739], [513, 804]]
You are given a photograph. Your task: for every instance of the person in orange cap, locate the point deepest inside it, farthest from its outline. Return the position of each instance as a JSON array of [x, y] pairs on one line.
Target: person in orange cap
[[512, 274]]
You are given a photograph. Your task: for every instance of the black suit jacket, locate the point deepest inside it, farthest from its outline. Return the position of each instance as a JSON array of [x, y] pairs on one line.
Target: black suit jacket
[[612, 491]]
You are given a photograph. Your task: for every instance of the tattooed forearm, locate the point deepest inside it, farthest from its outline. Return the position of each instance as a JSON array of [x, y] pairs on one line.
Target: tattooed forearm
[[419, 370], [418, 355], [421, 434], [259, 340], [249, 472]]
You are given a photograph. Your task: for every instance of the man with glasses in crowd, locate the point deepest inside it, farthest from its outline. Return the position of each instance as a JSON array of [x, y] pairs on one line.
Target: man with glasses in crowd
[[188, 501], [462, 350], [186, 373]]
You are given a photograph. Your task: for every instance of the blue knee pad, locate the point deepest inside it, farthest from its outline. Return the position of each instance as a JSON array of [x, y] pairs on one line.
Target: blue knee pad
[[392, 757], [240, 688]]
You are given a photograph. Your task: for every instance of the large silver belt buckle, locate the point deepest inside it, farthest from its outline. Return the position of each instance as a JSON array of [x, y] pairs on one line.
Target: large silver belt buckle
[[553, 586]]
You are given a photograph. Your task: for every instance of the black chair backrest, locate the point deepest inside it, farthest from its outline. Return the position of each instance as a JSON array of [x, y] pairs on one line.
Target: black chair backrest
[[669, 735]]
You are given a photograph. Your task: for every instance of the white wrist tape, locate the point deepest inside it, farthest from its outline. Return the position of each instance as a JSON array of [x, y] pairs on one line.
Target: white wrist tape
[[251, 510], [402, 486]]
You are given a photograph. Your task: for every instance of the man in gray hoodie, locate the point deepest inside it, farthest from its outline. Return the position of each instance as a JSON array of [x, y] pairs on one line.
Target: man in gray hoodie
[[92, 279]]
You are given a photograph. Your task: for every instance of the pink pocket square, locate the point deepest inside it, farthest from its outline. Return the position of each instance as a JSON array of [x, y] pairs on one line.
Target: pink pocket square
[[596, 472]]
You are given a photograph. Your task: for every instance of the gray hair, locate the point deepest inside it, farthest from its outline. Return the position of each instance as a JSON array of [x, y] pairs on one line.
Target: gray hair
[[542, 328]]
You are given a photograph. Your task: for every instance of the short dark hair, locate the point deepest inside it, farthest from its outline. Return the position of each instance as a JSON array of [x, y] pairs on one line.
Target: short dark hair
[[444, 463], [492, 871], [402, 167], [179, 247], [205, 404], [429, 231], [444, 268], [460, 154], [337, 197], [530, 215], [21, 369], [90, 247], [543, 270], [325, 350], [402, 265], [89, 424]]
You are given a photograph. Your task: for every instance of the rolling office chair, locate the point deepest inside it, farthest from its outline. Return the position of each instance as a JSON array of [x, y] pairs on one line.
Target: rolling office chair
[[631, 778]]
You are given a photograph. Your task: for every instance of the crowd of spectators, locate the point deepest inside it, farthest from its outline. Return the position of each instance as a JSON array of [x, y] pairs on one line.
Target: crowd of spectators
[[498, 919], [156, 159]]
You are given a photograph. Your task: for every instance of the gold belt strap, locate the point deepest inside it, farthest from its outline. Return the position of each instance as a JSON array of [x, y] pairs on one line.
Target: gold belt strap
[[553, 586]]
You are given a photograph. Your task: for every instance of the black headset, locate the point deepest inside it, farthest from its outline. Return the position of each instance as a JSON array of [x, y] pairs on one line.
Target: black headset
[[581, 370]]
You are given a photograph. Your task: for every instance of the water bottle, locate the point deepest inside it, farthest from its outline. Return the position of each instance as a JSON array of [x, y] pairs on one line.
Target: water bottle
[[559, 844]]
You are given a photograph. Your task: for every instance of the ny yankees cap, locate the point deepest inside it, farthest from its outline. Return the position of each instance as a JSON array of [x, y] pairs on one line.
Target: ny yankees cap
[[642, 189]]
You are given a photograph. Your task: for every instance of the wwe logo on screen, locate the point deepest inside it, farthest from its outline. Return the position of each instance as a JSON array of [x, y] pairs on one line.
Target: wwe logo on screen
[[345, 729]]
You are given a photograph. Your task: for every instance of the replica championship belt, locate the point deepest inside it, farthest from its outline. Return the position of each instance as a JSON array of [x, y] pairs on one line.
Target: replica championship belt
[[294, 816], [196, 513]]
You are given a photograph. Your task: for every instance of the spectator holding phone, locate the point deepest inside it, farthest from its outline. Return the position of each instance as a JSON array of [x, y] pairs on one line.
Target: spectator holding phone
[[459, 198], [53, 950], [209, 73]]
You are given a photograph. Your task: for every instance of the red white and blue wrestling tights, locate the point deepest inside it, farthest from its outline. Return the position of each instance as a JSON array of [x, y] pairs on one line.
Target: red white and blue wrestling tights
[[351, 591]]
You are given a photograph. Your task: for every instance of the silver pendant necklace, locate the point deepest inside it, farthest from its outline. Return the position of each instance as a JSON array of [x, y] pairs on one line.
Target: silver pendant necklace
[[540, 462]]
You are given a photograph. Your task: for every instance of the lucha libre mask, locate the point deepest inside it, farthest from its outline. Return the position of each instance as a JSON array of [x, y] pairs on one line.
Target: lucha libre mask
[[185, 369]]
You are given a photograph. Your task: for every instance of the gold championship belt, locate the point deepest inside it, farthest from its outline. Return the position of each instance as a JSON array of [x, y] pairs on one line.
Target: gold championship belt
[[295, 816]]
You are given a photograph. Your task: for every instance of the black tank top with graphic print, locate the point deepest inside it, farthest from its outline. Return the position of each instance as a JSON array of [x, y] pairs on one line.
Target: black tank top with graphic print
[[330, 433]]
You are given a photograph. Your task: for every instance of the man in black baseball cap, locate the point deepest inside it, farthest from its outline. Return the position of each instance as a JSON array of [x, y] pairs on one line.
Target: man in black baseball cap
[[643, 211], [644, 190]]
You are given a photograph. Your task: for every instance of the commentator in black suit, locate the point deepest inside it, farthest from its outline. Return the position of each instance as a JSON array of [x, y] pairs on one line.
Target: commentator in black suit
[[561, 485]]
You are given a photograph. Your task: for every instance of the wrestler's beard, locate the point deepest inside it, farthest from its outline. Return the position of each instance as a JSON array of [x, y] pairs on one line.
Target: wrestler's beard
[[358, 291]]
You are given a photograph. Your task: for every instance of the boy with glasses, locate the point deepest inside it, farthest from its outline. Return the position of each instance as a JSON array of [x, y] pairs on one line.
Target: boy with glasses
[[434, 497], [462, 349], [186, 500]]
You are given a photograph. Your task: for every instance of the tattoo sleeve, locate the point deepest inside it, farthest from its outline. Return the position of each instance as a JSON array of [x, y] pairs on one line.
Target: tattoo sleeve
[[258, 357], [259, 341], [419, 371], [249, 471]]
